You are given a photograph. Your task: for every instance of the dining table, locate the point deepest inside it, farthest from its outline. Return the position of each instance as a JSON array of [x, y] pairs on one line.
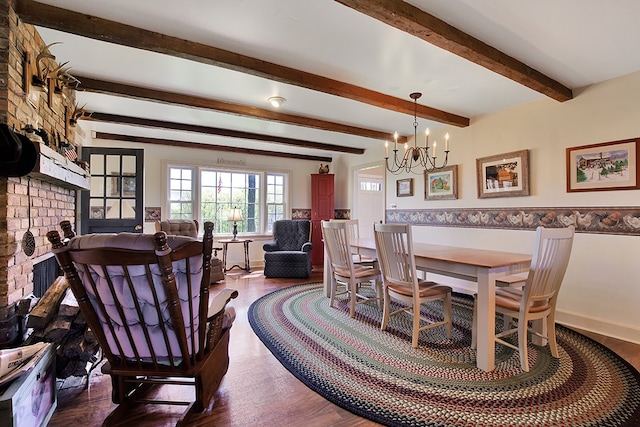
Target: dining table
[[480, 266]]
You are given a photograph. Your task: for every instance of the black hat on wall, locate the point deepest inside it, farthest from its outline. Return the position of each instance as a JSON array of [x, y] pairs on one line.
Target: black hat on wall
[[10, 145], [18, 155]]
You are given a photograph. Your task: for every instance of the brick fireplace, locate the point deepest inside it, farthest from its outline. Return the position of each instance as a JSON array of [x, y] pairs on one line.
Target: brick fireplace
[[51, 199]]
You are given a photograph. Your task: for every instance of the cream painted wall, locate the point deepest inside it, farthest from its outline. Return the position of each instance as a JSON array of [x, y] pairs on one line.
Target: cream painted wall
[[601, 290]]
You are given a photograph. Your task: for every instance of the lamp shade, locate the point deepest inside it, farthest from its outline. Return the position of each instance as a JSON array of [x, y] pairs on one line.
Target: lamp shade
[[235, 215]]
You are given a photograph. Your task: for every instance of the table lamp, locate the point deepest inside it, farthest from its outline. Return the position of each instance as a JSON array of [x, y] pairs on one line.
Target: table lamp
[[235, 215]]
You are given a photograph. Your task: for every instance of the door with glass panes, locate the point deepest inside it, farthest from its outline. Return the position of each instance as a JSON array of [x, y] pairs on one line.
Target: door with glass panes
[[114, 202]]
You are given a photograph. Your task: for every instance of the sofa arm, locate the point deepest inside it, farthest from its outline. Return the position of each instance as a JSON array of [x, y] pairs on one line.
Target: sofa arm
[[270, 247], [307, 247]]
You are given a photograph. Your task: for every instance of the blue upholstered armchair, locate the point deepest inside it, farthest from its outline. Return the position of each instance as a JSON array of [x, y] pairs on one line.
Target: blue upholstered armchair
[[289, 255]]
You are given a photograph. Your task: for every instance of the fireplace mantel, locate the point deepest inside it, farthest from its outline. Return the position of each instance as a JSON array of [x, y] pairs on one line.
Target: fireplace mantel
[[54, 167]]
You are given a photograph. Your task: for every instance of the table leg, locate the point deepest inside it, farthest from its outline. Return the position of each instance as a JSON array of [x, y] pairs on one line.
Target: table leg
[[485, 357], [540, 326], [246, 257], [224, 256]]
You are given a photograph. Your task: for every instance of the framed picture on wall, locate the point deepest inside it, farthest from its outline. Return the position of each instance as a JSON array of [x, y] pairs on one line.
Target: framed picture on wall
[[605, 166], [404, 187], [152, 214], [503, 175], [441, 184]]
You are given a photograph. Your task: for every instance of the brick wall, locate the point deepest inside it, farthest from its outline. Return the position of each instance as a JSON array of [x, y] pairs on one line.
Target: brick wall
[[50, 203]]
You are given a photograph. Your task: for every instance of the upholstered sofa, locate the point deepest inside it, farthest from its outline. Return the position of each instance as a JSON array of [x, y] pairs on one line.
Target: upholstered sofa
[[289, 254]]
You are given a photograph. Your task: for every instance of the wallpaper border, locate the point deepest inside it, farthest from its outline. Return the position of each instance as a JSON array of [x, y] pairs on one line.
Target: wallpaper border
[[297, 213], [599, 220]]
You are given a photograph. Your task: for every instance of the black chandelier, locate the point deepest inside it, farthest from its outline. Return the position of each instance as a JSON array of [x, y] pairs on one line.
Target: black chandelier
[[416, 156]]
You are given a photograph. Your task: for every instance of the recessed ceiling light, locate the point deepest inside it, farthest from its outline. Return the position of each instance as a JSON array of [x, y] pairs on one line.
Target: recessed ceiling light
[[276, 101]]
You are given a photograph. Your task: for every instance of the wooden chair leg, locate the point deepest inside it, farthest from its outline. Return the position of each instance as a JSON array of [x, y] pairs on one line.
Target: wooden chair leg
[[416, 325], [448, 317], [386, 307], [522, 344], [378, 287], [332, 291], [551, 334], [353, 296]]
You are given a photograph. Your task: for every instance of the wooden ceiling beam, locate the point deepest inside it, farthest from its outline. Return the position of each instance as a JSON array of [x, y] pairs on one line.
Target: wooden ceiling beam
[[202, 146], [115, 118], [102, 86], [44, 15], [414, 21]]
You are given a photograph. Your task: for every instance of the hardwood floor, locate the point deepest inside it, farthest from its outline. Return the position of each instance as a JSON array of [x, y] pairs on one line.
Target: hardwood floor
[[257, 390]]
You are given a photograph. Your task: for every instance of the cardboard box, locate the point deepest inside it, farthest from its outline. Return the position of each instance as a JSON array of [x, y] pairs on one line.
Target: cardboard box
[[31, 399]]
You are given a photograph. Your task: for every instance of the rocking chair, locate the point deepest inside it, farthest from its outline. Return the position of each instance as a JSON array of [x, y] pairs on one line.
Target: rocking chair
[[146, 298]]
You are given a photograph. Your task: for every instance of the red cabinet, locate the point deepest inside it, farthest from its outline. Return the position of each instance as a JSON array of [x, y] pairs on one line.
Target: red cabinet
[[322, 208]]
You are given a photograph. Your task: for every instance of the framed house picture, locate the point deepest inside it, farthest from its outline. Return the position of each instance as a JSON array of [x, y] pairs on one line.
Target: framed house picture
[[441, 184], [503, 175], [404, 187], [605, 166]]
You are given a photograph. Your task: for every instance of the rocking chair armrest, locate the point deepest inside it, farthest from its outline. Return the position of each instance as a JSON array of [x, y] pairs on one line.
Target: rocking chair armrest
[[220, 300]]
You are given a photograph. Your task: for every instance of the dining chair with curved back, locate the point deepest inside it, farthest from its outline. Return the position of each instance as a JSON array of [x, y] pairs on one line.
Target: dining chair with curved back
[[353, 228], [146, 299], [344, 270], [533, 297], [394, 246]]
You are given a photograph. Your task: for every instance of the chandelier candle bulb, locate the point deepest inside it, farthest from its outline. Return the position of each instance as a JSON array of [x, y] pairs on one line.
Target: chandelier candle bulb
[[386, 149], [395, 138], [434, 149], [426, 138], [446, 142]]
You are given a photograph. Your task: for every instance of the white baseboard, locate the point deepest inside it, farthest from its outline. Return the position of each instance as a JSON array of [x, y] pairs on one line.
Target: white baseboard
[[599, 326]]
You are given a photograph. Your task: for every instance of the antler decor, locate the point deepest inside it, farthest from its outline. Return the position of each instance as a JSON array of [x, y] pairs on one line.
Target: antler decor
[[78, 113], [43, 71], [63, 79]]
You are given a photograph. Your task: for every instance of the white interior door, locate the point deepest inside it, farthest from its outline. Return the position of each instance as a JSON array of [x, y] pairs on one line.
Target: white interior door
[[369, 198]]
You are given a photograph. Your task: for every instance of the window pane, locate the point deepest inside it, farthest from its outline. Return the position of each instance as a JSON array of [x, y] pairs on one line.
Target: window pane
[[181, 193]]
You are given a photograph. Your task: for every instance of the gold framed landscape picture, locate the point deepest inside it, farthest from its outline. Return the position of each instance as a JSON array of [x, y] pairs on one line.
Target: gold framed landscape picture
[[503, 175], [605, 166], [441, 184]]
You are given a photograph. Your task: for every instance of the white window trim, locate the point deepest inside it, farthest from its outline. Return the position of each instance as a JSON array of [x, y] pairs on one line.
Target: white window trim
[[197, 168]]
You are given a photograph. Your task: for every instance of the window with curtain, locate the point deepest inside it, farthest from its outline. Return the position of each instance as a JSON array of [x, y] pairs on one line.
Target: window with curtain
[[209, 195]]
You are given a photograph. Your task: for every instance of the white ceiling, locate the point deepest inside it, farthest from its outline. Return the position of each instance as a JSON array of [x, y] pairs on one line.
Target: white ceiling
[[575, 42]]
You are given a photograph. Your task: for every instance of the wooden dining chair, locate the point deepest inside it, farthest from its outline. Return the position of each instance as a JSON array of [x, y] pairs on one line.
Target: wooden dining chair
[[353, 228], [345, 271], [534, 296], [394, 246], [146, 299]]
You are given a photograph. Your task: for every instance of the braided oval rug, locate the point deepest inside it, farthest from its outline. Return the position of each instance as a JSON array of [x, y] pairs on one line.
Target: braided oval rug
[[378, 375]]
